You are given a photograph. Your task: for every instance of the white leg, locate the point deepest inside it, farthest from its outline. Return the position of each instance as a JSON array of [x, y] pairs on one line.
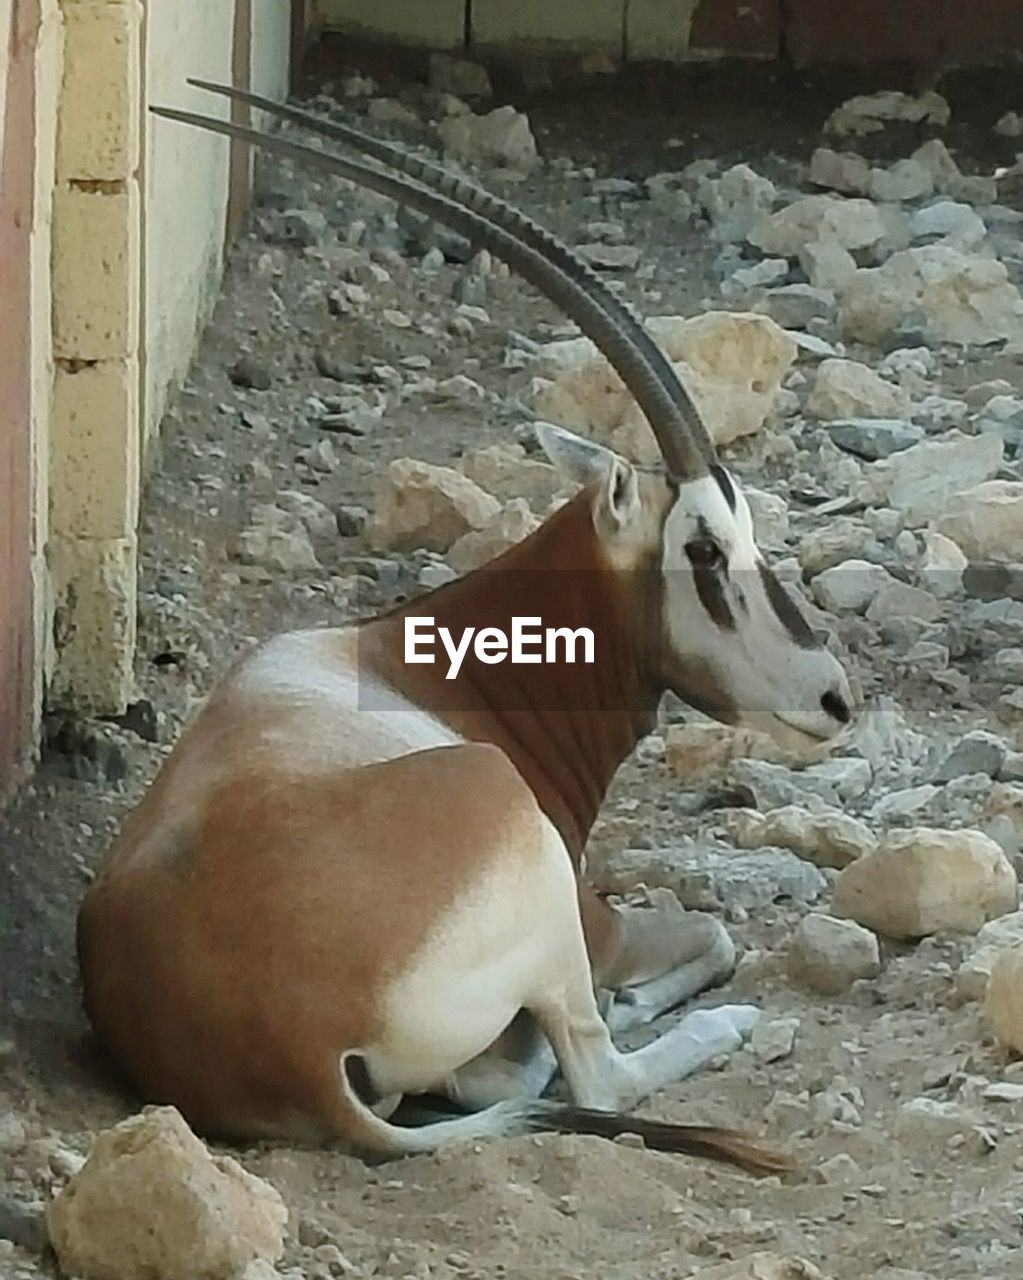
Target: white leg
[[521, 1064]]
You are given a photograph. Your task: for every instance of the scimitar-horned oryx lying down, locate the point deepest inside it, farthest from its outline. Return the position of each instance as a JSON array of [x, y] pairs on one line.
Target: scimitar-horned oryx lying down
[[356, 878]]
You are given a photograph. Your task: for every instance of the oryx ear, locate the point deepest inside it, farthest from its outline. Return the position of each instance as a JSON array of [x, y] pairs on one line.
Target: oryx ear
[[617, 501], [577, 460]]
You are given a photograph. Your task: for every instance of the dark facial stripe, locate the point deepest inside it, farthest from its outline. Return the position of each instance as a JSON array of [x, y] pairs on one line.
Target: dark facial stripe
[[710, 589], [725, 485], [787, 613]]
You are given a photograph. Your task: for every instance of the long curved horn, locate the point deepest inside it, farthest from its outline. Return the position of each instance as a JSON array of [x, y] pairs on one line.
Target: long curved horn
[[682, 456], [503, 215]]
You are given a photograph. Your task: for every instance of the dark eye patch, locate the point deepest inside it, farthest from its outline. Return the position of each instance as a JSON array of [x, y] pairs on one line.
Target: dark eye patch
[[710, 572]]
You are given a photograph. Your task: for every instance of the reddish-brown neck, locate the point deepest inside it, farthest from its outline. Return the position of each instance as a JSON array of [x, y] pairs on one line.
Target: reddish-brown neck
[[567, 728]]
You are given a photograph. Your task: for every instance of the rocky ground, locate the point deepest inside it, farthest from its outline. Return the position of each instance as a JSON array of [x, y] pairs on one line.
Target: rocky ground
[[356, 427]]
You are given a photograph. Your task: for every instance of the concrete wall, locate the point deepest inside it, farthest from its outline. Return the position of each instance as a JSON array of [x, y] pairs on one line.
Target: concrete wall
[[29, 72], [986, 32]]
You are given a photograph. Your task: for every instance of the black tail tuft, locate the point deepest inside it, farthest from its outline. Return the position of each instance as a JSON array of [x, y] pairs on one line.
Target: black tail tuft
[[706, 1141]]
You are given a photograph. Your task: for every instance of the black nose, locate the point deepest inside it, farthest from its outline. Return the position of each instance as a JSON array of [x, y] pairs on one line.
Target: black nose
[[836, 706]]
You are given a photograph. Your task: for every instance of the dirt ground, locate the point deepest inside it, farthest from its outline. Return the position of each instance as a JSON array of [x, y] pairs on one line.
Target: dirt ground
[[554, 1207]]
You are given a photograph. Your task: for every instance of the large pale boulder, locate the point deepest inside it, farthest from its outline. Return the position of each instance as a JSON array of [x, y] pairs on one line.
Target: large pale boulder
[[828, 955], [704, 749], [501, 138], [993, 941], [735, 201], [854, 224], [926, 480], [951, 296], [421, 505], [927, 880], [844, 171], [732, 363], [1003, 1006], [827, 838], [986, 523], [151, 1203], [868, 112], [848, 389]]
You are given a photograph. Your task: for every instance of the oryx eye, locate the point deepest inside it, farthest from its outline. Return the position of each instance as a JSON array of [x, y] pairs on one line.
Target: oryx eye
[[704, 553]]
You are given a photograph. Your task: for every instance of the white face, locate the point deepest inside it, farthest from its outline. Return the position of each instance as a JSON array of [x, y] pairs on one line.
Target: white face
[[732, 625], [736, 646]]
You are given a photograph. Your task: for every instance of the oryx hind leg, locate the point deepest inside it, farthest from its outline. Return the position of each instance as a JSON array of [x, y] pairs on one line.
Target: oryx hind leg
[[520, 1064]]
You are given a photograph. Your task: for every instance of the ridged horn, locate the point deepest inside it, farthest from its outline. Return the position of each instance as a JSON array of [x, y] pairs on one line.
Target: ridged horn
[[682, 455]]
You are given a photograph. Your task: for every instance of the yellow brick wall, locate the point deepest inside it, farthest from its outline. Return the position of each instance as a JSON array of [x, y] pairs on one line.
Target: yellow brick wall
[[94, 436], [138, 230]]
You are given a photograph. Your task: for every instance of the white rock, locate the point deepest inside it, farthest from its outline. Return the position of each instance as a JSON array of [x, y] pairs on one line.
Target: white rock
[[276, 540], [829, 955], [827, 264], [1003, 1006], [736, 201], [956, 297], [421, 505], [941, 569], [996, 937], [848, 389], [775, 1039], [904, 180], [854, 224], [897, 599], [927, 880], [509, 527], [770, 514], [849, 587], [927, 1120], [733, 364], [957, 224], [762, 274], [926, 478], [867, 113], [501, 138], [832, 543], [939, 160], [828, 838], [151, 1203], [843, 171], [314, 514], [986, 522]]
